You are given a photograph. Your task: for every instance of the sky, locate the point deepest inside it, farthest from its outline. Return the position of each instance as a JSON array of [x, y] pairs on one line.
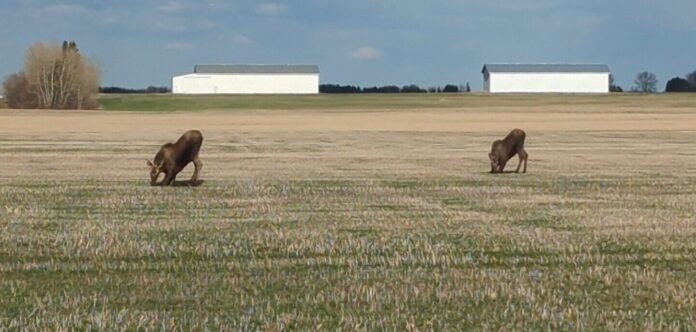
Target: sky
[[138, 43]]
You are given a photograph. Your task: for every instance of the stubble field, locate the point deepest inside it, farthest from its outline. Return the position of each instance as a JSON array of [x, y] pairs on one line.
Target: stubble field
[[354, 218]]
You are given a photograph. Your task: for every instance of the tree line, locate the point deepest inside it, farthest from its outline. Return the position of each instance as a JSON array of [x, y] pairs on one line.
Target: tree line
[[647, 82], [149, 90], [54, 76], [686, 84], [337, 88]]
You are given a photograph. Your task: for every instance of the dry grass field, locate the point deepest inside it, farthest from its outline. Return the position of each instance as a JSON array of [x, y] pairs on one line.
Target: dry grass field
[[358, 219]]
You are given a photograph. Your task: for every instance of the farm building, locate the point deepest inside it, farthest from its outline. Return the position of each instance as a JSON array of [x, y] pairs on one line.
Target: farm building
[[546, 78], [249, 79]]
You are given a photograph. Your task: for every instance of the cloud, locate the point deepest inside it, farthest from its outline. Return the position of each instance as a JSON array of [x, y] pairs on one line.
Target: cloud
[[107, 19], [677, 17], [170, 25], [170, 7], [365, 53], [177, 46], [270, 9], [64, 9], [207, 25], [240, 39]]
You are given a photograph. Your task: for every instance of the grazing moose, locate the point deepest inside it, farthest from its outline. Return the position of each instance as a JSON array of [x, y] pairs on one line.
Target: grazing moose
[[508, 147], [172, 158]]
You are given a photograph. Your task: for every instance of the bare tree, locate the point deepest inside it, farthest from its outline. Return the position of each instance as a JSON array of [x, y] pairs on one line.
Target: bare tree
[[612, 86], [17, 93], [645, 82], [59, 77]]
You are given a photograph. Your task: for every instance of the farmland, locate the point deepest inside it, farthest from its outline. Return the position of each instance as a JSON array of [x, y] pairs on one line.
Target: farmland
[[394, 102], [352, 212]]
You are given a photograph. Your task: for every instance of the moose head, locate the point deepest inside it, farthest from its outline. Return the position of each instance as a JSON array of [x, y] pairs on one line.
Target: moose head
[[155, 170]]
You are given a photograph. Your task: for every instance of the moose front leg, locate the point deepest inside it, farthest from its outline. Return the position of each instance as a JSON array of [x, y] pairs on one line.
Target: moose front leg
[[501, 166], [519, 163], [169, 179]]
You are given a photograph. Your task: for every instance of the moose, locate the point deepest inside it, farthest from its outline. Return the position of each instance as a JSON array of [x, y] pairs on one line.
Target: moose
[[173, 157], [508, 147]]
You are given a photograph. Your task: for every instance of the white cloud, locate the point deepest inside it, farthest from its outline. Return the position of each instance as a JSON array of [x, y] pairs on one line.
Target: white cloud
[[170, 6], [678, 17], [241, 39], [64, 9], [207, 25], [365, 53], [107, 19], [177, 46], [270, 9], [170, 25]]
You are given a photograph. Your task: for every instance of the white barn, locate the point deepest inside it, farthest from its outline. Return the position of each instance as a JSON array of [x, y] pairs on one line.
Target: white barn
[[546, 78], [249, 79]]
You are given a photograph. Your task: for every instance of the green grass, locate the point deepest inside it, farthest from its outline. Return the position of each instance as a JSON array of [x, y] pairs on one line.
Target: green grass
[[272, 102], [299, 254], [386, 102]]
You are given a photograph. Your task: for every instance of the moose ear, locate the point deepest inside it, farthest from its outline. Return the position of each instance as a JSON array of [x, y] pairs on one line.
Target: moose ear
[[160, 164], [149, 163]]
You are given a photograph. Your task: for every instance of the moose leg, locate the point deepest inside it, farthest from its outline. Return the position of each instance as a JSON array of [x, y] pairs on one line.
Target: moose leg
[[519, 163], [526, 156], [198, 165], [173, 179], [169, 179], [523, 158], [501, 166]]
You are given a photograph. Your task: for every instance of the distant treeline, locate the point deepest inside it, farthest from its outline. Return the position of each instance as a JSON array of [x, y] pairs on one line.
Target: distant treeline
[[678, 84], [336, 88], [149, 89]]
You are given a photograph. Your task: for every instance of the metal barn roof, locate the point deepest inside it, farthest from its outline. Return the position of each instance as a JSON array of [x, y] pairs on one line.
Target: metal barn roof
[[544, 68], [256, 69]]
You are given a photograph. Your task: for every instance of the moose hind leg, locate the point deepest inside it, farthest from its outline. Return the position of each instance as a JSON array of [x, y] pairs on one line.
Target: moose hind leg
[[198, 165], [523, 157], [526, 156]]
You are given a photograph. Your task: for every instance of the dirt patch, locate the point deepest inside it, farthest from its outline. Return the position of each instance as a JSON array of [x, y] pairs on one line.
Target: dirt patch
[[106, 125]]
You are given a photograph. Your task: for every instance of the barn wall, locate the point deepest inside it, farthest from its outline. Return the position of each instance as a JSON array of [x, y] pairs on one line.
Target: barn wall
[[486, 82], [549, 82], [246, 84]]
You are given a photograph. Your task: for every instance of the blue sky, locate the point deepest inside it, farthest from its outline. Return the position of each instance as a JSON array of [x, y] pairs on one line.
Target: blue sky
[[365, 42]]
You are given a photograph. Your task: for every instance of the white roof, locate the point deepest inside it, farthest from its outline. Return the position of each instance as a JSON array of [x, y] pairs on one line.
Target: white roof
[[544, 68], [256, 69]]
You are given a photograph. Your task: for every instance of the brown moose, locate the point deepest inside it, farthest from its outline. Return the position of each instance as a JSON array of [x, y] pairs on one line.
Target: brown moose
[[173, 157], [508, 147]]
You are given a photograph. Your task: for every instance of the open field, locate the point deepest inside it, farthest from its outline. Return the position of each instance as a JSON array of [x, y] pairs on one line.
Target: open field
[[390, 102], [354, 218]]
